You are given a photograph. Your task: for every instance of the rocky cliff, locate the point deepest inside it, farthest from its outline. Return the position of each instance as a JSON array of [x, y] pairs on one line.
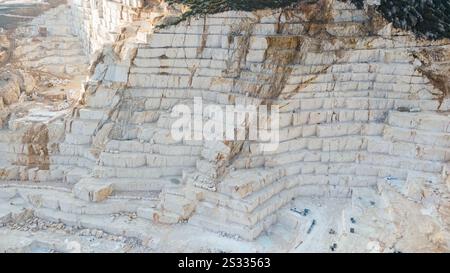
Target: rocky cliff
[[364, 139]]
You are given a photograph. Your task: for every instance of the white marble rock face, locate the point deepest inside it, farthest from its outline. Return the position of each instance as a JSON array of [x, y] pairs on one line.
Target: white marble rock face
[[363, 117]]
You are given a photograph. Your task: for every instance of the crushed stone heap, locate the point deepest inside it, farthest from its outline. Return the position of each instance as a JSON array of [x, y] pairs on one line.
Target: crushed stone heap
[[364, 130]]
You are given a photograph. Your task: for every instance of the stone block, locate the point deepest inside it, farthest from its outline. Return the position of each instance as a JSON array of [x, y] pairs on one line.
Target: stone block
[[92, 190], [125, 160], [84, 127], [379, 146]]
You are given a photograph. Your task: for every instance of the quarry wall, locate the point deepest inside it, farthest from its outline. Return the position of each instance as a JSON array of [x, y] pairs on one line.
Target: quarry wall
[[339, 75], [362, 104]]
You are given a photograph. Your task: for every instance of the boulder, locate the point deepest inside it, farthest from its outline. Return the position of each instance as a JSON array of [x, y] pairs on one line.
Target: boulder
[[92, 191], [9, 88]]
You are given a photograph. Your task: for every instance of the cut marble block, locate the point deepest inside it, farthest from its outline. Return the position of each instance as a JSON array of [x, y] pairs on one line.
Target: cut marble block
[[93, 191]]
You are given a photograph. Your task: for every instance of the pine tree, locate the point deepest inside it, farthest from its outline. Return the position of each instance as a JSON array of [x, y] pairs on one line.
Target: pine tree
[[427, 18]]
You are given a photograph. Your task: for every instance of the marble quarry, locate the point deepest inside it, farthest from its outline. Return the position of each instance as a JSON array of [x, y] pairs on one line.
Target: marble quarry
[[87, 92]]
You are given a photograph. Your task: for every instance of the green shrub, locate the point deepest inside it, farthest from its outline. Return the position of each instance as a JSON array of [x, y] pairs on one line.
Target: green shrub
[[427, 18]]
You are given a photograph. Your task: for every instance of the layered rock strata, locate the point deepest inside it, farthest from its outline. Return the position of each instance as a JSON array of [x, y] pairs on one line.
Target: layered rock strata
[[363, 106]]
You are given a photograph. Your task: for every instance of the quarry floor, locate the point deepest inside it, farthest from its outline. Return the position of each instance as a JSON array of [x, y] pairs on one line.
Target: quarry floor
[[325, 225]]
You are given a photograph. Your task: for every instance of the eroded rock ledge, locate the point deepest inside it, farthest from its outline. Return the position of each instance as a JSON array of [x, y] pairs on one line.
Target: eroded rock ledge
[[364, 129]]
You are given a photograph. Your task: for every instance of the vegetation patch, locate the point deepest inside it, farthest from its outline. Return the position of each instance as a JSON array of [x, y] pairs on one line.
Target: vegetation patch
[[203, 7], [427, 18]]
